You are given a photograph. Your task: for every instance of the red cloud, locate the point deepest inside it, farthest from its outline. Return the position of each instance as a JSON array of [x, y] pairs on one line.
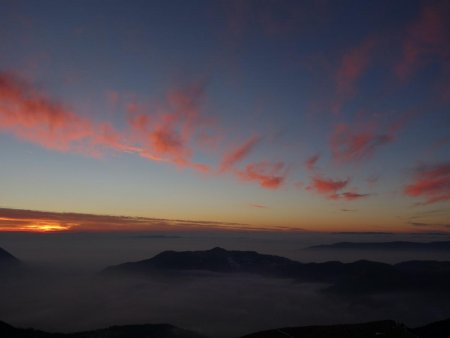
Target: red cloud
[[351, 196], [237, 154], [31, 115], [311, 162], [353, 64], [168, 135], [431, 182], [331, 189], [259, 206], [328, 187], [426, 39], [268, 174], [351, 145]]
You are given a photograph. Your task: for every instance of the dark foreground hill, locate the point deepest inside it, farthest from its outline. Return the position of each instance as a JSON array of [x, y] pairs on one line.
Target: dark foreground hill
[[345, 278], [8, 263], [7, 258], [127, 331], [385, 329], [386, 246]]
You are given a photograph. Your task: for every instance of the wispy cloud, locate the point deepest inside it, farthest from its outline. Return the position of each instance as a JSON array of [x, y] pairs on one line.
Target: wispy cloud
[[238, 153], [259, 206], [168, 134], [426, 40], [351, 196], [311, 162], [430, 182], [328, 187], [352, 66], [31, 115], [333, 189], [270, 175], [353, 143]]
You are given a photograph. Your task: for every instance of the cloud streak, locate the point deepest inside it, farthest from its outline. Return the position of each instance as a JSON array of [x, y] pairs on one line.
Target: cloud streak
[[237, 154], [327, 187], [332, 189], [350, 143], [431, 182], [426, 40], [270, 175]]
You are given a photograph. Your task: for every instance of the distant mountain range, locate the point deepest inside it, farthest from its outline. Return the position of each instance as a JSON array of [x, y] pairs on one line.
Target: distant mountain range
[[349, 278], [388, 246], [385, 329]]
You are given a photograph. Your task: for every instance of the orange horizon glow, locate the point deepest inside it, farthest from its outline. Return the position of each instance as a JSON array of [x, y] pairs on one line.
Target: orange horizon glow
[[48, 222]]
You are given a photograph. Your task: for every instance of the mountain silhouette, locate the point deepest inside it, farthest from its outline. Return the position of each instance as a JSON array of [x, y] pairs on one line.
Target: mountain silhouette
[[348, 278], [385, 329], [126, 331], [6, 257], [439, 329], [8, 263]]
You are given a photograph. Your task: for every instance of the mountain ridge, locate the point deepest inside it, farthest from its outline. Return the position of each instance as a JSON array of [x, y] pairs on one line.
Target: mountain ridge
[[383, 328], [361, 276]]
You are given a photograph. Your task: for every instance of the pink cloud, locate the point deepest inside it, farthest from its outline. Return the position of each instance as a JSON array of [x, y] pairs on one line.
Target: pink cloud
[[332, 189], [168, 133], [352, 66], [311, 162], [348, 144], [269, 175], [351, 196], [237, 154], [431, 182], [327, 187], [426, 39], [259, 206], [31, 115]]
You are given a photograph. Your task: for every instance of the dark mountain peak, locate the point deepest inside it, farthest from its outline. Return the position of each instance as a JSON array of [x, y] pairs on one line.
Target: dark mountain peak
[[214, 260], [218, 249], [6, 256]]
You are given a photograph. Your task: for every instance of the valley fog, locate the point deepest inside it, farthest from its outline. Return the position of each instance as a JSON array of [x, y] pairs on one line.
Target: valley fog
[[64, 291]]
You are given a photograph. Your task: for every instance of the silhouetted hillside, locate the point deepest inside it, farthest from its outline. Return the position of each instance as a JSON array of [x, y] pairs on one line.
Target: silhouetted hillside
[[6, 257], [348, 278], [127, 331], [214, 260], [8, 262], [385, 329], [386, 246], [9, 331], [439, 329]]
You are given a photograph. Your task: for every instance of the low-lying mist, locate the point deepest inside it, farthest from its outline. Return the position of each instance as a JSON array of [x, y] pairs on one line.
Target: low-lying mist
[[213, 304], [65, 291]]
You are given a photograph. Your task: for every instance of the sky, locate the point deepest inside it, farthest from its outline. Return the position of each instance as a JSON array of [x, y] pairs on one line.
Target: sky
[[225, 115]]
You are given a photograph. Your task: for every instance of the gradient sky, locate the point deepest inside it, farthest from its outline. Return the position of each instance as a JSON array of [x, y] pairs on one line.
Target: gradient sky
[[310, 115]]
